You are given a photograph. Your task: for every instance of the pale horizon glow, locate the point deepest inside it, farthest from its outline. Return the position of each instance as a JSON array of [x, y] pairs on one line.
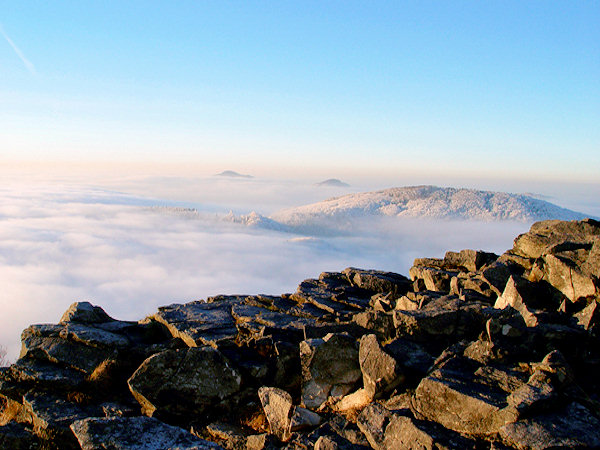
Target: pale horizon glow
[[484, 90]]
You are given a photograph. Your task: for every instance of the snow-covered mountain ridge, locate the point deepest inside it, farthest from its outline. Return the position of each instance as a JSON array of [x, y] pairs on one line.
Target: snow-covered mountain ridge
[[428, 202]]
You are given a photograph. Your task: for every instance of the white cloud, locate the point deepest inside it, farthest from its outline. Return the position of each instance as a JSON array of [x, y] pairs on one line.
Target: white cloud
[[60, 244], [30, 67]]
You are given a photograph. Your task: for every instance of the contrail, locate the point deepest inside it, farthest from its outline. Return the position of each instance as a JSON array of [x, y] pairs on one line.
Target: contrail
[[19, 53]]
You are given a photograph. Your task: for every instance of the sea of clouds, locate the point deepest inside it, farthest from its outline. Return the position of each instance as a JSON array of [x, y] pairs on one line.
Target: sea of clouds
[[133, 245]]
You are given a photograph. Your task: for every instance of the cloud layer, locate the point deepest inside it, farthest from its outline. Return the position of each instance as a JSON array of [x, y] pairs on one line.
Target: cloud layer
[[64, 243]]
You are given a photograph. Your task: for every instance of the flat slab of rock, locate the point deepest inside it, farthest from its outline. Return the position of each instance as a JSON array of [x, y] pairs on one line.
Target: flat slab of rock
[[183, 382], [277, 405], [199, 323], [466, 397], [574, 427], [135, 433]]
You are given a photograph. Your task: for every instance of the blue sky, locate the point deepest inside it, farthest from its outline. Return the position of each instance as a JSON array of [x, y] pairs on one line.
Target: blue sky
[[491, 89]]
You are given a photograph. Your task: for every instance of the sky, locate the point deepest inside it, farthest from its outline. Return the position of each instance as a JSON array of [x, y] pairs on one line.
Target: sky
[[488, 90]]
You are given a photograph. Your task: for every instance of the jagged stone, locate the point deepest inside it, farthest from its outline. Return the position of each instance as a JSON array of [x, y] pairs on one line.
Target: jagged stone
[[181, 383], [566, 277], [135, 433], [303, 419], [545, 234], [330, 367], [591, 266], [378, 281], [473, 284], [462, 396], [354, 401], [588, 316], [378, 322], [445, 318], [512, 296], [429, 262], [573, 427], [496, 275], [469, 260], [278, 407], [51, 416], [380, 371], [15, 436], [373, 421], [228, 436], [85, 312], [433, 279], [46, 342], [199, 323], [411, 358]]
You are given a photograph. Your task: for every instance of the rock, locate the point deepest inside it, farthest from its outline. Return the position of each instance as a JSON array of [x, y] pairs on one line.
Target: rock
[[406, 433], [378, 282], [330, 367], [304, 418], [228, 436], [588, 317], [199, 323], [85, 312], [277, 405], [51, 416], [433, 279], [496, 275], [17, 437], [591, 267], [512, 296], [464, 396], [380, 371], [573, 427], [135, 433], [468, 260], [380, 323], [46, 342], [412, 359], [373, 421], [566, 277], [183, 383], [354, 401]]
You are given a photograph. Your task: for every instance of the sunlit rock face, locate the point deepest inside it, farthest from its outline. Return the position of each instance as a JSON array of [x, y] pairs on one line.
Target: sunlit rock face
[[474, 350]]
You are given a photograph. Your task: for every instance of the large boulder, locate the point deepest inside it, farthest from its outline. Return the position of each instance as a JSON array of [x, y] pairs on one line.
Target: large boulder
[[468, 260], [185, 383]]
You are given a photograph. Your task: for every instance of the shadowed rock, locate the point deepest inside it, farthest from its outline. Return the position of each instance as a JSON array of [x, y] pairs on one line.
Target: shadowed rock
[[135, 433], [181, 382]]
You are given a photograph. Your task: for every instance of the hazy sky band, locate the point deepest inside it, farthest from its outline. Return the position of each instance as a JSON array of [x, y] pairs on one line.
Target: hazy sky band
[[488, 87]]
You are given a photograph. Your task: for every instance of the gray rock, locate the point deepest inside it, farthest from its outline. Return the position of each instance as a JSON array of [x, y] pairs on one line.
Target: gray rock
[[135, 433], [182, 383], [513, 296], [330, 367], [378, 281], [16, 436], [85, 312], [566, 277], [573, 427], [380, 371], [588, 316], [464, 396], [47, 342], [546, 234], [303, 419], [199, 323], [378, 322], [469, 260], [433, 279], [277, 405], [496, 275], [373, 421]]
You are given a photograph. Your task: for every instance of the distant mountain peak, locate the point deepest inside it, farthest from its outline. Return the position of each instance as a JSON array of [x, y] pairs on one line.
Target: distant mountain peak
[[233, 174], [425, 202], [333, 182]]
